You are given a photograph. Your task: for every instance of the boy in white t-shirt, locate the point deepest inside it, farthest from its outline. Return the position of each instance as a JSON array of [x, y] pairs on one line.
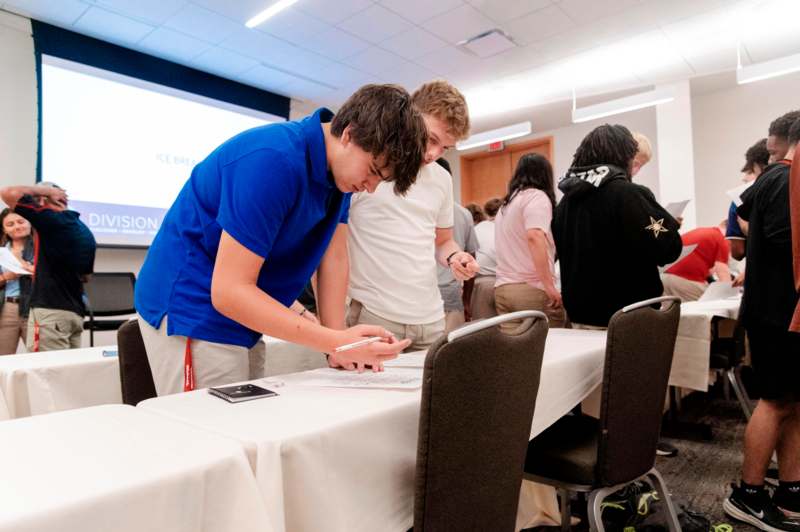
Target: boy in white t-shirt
[[394, 242]]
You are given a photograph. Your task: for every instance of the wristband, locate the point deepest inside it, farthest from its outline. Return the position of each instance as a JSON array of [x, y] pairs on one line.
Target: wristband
[[450, 256]]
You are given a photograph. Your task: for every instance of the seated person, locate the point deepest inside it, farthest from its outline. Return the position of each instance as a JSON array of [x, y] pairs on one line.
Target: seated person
[[688, 278]]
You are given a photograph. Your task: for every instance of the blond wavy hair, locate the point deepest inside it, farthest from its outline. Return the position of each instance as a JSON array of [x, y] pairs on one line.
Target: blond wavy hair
[[445, 102]]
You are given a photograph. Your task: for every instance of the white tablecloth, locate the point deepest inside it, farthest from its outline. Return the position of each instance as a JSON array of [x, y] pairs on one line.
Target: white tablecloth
[[123, 469], [40, 383], [690, 364], [52, 381], [344, 459]]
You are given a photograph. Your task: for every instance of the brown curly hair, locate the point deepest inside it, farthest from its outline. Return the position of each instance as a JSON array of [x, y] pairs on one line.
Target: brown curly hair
[[383, 123]]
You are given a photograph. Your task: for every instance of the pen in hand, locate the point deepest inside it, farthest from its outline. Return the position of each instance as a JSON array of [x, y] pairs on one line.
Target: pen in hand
[[360, 343]]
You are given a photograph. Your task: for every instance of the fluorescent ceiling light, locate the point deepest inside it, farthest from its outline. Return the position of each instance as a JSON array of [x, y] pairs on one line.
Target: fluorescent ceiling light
[[495, 135], [622, 105], [768, 69], [271, 11]]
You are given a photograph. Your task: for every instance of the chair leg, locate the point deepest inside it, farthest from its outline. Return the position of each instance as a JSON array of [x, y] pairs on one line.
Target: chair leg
[[735, 377], [91, 337], [674, 524], [566, 514], [594, 511]]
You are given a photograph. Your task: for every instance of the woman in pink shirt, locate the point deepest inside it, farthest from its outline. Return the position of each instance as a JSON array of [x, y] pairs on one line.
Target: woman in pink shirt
[[524, 243]]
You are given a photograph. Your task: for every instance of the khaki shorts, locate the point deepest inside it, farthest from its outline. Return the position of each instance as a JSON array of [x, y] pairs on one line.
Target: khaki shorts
[[422, 336], [58, 329], [214, 364], [514, 297]]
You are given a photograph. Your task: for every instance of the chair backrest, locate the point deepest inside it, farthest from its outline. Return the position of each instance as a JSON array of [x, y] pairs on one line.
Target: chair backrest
[[110, 293], [135, 375], [478, 396], [639, 348]]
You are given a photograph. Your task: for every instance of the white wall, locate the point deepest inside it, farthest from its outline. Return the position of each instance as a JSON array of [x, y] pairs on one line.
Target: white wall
[[727, 122], [18, 113], [566, 140]]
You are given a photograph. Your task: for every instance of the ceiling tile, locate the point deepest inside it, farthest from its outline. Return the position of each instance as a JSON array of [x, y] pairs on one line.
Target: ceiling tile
[[540, 25], [306, 90], [256, 44], [339, 76], [707, 42], [459, 24], [223, 62], [150, 11], [450, 60], [771, 32], [654, 59], [294, 26], [322, 10], [265, 78], [202, 23], [505, 10], [375, 24], [413, 43], [112, 27], [410, 75], [586, 11], [169, 44], [239, 10], [335, 44], [374, 60], [418, 11], [67, 13]]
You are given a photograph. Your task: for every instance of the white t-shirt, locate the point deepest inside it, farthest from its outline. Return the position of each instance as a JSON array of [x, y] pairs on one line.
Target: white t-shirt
[[486, 256], [392, 244]]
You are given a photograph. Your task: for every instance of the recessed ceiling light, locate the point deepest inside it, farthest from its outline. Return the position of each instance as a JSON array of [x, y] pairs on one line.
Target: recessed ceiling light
[[271, 11]]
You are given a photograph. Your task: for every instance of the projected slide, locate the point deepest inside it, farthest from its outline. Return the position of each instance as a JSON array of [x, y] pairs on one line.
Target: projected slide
[[123, 148]]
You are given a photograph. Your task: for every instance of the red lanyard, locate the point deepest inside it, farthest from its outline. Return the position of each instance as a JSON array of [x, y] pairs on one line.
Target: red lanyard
[[188, 369]]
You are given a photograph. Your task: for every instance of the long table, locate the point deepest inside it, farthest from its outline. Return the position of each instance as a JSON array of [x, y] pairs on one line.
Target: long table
[[691, 361], [40, 383], [344, 459], [124, 469]]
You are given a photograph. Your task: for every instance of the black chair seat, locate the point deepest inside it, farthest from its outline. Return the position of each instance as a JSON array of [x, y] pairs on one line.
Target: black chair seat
[[566, 451], [104, 325]]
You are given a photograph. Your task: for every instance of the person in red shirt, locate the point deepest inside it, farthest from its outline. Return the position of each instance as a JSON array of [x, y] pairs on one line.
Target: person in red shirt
[[687, 278]]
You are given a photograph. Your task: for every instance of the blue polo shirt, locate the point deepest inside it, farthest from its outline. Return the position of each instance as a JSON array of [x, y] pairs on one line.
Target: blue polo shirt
[[734, 231], [270, 189]]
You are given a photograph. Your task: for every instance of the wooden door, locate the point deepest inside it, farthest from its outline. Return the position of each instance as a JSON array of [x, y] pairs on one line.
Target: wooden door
[[486, 175]]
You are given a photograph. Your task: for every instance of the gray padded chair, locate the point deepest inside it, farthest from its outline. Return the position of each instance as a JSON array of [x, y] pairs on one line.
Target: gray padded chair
[[135, 375], [583, 454], [108, 294], [478, 396]]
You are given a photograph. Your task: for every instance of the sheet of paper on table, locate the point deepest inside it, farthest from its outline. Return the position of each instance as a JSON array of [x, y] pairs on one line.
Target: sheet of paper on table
[[720, 290], [10, 263], [391, 378], [676, 208], [685, 251], [413, 359]]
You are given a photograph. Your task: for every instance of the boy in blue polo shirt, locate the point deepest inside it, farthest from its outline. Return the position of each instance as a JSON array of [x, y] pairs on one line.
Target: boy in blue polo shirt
[[254, 221]]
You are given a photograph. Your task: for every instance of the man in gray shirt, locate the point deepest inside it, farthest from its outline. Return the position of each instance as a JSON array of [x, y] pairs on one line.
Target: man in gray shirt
[[449, 286]]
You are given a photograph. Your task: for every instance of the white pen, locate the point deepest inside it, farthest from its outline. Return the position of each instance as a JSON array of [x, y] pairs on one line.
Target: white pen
[[365, 341]]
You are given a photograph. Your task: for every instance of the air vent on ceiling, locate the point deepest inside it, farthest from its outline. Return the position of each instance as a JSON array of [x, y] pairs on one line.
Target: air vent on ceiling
[[488, 43]]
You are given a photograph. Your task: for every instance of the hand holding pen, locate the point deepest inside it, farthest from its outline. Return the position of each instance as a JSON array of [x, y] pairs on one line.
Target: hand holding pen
[[365, 345]]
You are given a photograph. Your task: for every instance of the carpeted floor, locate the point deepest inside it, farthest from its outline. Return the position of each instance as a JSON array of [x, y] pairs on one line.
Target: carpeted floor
[[700, 476]]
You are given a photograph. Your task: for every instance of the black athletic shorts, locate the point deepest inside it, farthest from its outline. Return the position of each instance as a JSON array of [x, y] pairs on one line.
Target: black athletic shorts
[[775, 355]]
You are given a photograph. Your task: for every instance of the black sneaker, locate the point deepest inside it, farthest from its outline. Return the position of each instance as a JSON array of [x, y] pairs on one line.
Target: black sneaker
[[759, 511], [788, 501]]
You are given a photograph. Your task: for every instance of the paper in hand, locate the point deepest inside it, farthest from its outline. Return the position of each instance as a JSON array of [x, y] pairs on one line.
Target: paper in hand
[[735, 194], [720, 290], [10, 263], [676, 208]]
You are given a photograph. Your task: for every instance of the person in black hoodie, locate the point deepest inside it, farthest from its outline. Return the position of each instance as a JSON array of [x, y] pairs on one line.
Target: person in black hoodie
[[610, 233]]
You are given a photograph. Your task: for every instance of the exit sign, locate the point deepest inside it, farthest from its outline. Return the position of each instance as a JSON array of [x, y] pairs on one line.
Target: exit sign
[[496, 146]]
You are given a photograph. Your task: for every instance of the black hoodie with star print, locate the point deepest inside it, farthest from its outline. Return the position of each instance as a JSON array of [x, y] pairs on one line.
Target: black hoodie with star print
[[611, 235]]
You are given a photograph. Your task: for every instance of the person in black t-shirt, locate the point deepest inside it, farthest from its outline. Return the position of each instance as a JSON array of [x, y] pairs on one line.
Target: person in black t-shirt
[[767, 307], [64, 257]]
